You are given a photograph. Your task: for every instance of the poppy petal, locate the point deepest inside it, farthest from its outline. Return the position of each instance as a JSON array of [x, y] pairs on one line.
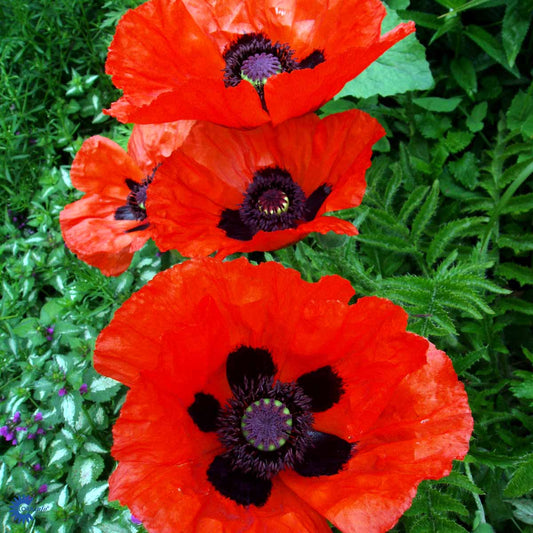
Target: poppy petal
[[168, 57], [150, 144], [92, 163], [195, 199], [426, 424], [326, 456]]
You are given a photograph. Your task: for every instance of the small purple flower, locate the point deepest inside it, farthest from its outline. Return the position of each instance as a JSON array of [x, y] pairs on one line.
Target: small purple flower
[[30, 436], [21, 428], [14, 442], [4, 431], [41, 431], [50, 331], [135, 520], [37, 467], [83, 388], [62, 391], [16, 417], [38, 417], [43, 488]]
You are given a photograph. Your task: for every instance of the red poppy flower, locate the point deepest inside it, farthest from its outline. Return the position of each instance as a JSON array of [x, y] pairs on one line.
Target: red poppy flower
[[108, 225], [241, 63], [260, 402], [245, 190]]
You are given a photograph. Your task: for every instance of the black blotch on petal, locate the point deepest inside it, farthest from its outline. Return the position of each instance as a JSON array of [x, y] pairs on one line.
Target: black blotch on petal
[[242, 488], [312, 60], [138, 228], [325, 456], [231, 223], [315, 201], [323, 386], [132, 185], [247, 364], [204, 411], [125, 212]]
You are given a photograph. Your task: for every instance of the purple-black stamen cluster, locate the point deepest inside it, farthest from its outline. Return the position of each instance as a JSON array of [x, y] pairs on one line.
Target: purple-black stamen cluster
[[253, 57], [273, 201], [266, 426], [135, 207]]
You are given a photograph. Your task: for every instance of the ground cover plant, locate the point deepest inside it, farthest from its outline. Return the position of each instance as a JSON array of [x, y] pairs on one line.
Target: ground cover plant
[[445, 232]]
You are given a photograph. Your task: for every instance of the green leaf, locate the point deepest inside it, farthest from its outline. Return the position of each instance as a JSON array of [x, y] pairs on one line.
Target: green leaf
[[102, 389], [85, 470], [27, 327], [451, 231], [400, 69], [440, 105], [522, 481], [464, 363], [461, 481], [465, 74], [91, 494], [475, 120], [519, 243], [523, 510], [456, 141], [466, 170], [523, 389], [426, 211], [522, 274], [515, 25], [519, 115], [490, 45]]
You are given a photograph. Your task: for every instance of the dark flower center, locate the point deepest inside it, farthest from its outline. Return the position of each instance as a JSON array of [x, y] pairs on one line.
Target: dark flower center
[[272, 202], [266, 426], [135, 209], [255, 58]]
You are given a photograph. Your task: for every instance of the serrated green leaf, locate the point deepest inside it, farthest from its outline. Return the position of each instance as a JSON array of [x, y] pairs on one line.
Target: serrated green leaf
[[426, 212], [466, 170], [514, 304], [433, 126], [465, 74], [523, 389], [461, 481], [464, 363], [400, 69], [474, 122], [456, 141], [515, 25], [444, 503], [440, 105], [452, 230], [490, 45], [523, 275], [387, 242], [518, 243]]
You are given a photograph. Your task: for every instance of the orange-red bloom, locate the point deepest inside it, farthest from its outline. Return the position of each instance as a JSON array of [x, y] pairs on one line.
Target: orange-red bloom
[[260, 402], [241, 63], [108, 225], [248, 190]]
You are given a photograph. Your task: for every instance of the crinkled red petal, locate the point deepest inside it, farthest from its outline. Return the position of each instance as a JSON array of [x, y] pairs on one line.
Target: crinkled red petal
[[426, 424], [150, 144], [168, 57], [231, 303], [91, 232], [214, 166], [101, 167]]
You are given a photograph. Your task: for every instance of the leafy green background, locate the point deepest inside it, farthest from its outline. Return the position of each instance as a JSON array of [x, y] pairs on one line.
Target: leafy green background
[[445, 231]]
